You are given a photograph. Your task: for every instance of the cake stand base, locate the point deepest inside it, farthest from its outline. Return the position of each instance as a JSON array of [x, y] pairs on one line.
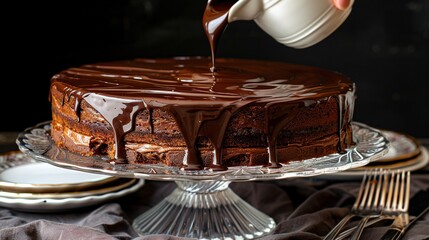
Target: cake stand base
[[204, 210]]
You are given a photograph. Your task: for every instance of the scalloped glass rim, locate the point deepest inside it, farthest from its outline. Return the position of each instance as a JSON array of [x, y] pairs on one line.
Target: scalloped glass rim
[[370, 145]]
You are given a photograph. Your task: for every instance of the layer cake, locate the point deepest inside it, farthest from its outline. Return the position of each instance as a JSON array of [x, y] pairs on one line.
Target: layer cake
[[176, 112]]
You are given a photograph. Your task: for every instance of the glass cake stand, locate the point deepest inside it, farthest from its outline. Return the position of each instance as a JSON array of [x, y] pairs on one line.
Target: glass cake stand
[[202, 205]]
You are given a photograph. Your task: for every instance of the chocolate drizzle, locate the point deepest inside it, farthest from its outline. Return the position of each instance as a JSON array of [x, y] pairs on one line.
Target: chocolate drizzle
[[277, 116], [120, 113], [215, 20], [200, 101], [345, 111], [209, 121]]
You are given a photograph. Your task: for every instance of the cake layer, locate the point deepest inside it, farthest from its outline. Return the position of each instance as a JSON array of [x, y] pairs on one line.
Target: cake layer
[[144, 153]]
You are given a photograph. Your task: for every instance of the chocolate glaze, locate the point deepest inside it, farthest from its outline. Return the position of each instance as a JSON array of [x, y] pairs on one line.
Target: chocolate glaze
[[201, 101]]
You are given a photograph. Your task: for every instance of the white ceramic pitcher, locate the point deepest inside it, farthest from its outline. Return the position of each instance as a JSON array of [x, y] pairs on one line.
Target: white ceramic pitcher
[[294, 23]]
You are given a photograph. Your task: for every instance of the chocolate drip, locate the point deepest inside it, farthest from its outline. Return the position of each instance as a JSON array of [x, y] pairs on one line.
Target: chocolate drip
[[345, 107], [149, 118], [215, 20], [209, 121], [120, 114], [277, 117], [201, 102], [215, 131], [341, 110]]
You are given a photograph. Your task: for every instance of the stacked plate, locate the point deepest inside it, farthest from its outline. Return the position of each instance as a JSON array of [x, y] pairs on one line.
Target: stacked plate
[[29, 185], [405, 153]]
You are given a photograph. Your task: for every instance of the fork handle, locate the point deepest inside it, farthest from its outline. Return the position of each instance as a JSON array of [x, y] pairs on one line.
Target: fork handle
[[360, 227], [391, 234], [350, 231], [336, 230]]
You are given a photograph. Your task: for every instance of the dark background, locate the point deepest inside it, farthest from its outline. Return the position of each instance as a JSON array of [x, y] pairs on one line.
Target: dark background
[[383, 46]]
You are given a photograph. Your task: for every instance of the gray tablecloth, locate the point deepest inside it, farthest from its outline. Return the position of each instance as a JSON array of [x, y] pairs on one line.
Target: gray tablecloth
[[303, 208]]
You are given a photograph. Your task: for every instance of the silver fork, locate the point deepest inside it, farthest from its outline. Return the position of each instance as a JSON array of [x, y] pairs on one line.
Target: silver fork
[[396, 206], [377, 189], [371, 187]]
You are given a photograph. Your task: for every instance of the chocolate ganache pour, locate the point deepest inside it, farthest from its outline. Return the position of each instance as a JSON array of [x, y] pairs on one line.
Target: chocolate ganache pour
[[215, 20], [201, 102]]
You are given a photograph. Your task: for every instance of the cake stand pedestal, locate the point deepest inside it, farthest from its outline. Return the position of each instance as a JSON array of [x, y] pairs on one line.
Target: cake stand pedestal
[[202, 205], [204, 210]]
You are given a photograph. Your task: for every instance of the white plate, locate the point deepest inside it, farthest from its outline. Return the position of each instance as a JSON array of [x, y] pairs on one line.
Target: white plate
[[102, 189], [20, 173], [63, 204], [44, 173], [32, 186]]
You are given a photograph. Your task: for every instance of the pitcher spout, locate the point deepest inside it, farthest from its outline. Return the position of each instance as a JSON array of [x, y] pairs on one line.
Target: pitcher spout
[[245, 10]]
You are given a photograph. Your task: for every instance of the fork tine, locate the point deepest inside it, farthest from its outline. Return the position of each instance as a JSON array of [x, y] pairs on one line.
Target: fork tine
[[378, 203], [397, 194], [400, 203], [389, 199], [384, 190], [372, 185], [375, 191], [378, 191], [364, 196], [407, 192], [365, 201], [404, 197], [360, 195]]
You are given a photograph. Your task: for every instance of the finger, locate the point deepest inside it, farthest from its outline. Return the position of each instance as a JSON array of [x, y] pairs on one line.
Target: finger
[[341, 4]]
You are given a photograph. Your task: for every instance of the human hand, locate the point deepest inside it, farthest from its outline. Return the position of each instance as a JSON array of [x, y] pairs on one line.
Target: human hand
[[341, 4]]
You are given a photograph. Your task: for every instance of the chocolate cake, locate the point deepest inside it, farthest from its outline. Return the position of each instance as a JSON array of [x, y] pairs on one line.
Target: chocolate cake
[[176, 112]]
